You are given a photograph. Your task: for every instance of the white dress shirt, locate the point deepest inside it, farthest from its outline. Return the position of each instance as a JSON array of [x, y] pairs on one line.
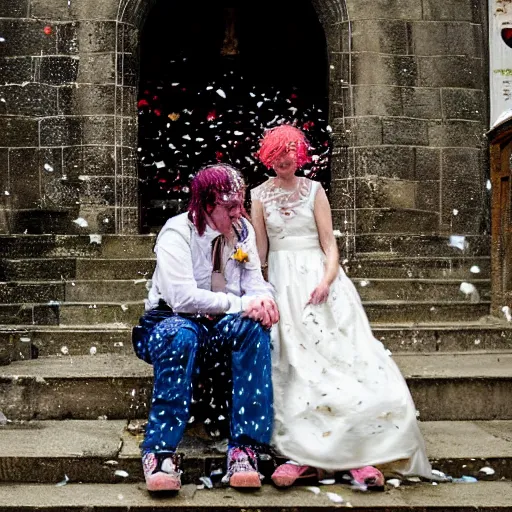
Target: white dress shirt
[[183, 272]]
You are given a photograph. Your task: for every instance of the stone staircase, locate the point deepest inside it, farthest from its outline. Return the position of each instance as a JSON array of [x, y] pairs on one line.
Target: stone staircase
[[75, 393]]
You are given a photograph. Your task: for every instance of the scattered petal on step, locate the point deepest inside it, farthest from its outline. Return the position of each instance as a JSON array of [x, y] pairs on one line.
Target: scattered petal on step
[[314, 490], [111, 462], [413, 479], [486, 470], [506, 312], [3, 419], [95, 239], [475, 269], [394, 482], [327, 481], [336, 498], [64, 350], [63, 482], [92, 351], [81, 222], [457, 241], [121, 473], [464, 479], [207, 481]]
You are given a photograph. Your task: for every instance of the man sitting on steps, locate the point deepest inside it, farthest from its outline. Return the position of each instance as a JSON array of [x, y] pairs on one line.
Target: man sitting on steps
[[208, 299]]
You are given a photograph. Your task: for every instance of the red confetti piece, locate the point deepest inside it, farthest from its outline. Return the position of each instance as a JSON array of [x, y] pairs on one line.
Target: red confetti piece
[[219, 155], [157, 112], [211, 116], [48, 30], [143, 103]]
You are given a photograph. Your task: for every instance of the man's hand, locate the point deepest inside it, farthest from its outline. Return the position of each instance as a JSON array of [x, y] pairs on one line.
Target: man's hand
[[263, 310]]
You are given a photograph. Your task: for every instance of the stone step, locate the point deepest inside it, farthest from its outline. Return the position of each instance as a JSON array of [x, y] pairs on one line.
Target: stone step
[[128, 313], [442, 290], [482, 496], [84, 246], [80, 449], [419, 267], [371, 245], [121, 290], [23, 341], [54, 269], [445, 386]]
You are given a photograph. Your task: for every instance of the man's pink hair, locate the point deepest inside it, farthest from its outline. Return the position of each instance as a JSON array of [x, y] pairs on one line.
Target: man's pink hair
[[218, 183], [276, 141]]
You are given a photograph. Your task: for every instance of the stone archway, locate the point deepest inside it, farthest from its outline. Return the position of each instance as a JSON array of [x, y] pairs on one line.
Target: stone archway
[[130, 19]]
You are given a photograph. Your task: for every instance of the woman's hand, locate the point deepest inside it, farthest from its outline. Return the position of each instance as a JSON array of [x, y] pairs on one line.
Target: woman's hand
[[319, 294]]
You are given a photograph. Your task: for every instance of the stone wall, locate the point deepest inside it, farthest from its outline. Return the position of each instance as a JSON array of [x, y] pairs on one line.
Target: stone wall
[[415, 77], [407, 98]]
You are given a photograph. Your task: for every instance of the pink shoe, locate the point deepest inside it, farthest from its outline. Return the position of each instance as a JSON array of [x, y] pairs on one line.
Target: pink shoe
[[369, 476], [162, 471], [287, 474], [242, 468]]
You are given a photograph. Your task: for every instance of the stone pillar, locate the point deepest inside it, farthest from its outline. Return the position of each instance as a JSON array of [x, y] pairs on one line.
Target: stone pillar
[[411, 119]]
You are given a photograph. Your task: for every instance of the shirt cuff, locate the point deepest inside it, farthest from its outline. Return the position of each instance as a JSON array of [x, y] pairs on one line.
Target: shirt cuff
[[235, 304]]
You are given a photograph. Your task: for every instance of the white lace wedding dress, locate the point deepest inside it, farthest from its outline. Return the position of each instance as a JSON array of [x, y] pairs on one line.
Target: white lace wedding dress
[[340, 401]]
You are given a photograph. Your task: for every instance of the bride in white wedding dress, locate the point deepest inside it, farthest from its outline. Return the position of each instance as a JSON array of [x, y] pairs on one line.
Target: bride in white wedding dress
[[340, 401]]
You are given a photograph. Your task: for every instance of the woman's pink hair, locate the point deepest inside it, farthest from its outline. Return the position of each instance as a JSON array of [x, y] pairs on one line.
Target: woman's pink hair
[[218, 183], [276, 141]]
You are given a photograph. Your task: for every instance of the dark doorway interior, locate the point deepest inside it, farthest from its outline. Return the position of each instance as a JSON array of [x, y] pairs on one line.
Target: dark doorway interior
[[214, 76]]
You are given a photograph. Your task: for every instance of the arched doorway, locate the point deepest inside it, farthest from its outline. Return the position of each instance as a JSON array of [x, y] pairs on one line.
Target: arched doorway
[[213, 76]]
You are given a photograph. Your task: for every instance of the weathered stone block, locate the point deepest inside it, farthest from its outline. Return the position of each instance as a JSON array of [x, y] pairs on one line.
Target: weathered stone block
[[18, 132], [25, 37], [369, 68], [14, 9], [58, 10], [390, 161], [61, 131], [342, 194], [405, 131], [380, 36], [377, 100], [30, 99], [97, 36], [456, 133], [127, 68], [464, 164], [444, 38], [24, 174], [126, 101], [450, 71], [363, 131], [421, 102], [427, 195], [98, 130], [97, 190], [97, 68], [427, 163], [126, 162], [57, 70], [128, 221], [129, 188], [67, 38], [463, 104], [398, 9], [454, 10], [128, 38], [89, 161], [87, 99], [101, 219], [395, 221], [16, 70], [126, 134], [467, 221], [335, 36], [379, 192], [4, 172]]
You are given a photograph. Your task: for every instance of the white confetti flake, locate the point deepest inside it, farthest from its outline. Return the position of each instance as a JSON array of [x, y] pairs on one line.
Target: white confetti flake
[[111, 462], [81, 222], [475, 269], [455, 212], [336, 498], [64, 350], [314, 490], [506, 312], [207, 482], [327, 481], [93, 351], [467, 288], [121, 473], [48, 167], [7, 193], [457, 241], [95, 239], [238, 133], [118, 344], [2, 40], [124, 307], [221, 93], [2, 100], [3, 419], [364, 283], [488, 185], [160, 165], [487, 470]]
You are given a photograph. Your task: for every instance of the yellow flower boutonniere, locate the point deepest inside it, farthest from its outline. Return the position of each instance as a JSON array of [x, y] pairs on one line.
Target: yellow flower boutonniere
[[240, 255]]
